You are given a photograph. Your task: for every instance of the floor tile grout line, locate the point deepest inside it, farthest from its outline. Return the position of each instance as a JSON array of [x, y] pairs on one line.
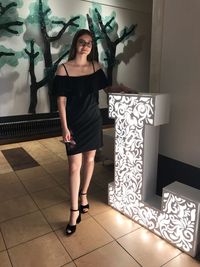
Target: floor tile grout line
[[12, 198], [93, 216], [52, 175], [116, 239], [31, 193], [59, 158], [37, 237], [62, 243], [91, 251], [52, 230], [27, 193], [171, 259], [128, 253], [44, 189], [6, 248], [49, 174], [68, 263], [19, 216], [43, 215], [55, 204], [7, 163], [85, 253], [113, 241], [29, 240], [40, 190], [61, 185], [3, 239], [50, 149], [9, 258], [38, 209]]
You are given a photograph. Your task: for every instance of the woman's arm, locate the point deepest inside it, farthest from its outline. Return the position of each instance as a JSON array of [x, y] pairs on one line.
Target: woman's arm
[[119, 89], [115, 88], [62, 102]]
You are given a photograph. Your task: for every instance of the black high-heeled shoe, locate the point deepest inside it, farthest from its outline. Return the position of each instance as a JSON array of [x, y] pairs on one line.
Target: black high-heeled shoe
[[83, 208], [70, 229]]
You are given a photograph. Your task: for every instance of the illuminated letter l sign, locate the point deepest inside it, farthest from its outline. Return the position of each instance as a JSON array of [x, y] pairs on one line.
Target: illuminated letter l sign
[[175, 217]]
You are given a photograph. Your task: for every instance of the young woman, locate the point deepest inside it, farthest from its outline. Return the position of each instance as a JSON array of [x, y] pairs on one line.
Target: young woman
[[76, 84]]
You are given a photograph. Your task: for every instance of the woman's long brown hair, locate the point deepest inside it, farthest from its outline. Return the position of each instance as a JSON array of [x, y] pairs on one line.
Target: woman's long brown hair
[[72, 52]]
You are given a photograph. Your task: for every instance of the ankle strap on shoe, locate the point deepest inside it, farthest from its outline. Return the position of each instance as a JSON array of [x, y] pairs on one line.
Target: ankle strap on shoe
[[82, 194], [74, 210]]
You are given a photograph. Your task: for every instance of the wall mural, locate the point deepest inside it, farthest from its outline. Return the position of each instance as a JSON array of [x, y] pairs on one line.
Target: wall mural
[[103, 30], [48, 30], [175, 217], [40, 16], [10, 24]]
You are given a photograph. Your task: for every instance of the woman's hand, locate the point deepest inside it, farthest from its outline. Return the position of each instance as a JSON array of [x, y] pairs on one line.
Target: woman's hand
[[66, 135], [121, 89], [124, 89]]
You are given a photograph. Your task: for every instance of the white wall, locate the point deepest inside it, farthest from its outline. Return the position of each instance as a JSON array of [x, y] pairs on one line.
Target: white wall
[[180, 77], [133, 71]]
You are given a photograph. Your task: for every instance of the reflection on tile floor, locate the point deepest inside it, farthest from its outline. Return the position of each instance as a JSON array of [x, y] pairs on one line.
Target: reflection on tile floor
[[34, 208]]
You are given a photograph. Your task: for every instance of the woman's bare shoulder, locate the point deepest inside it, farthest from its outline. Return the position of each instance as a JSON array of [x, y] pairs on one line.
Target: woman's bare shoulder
[[61, 70], [97, 65], [63, 67]]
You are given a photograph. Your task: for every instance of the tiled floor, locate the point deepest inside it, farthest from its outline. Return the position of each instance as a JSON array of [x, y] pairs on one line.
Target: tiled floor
[[34, 208]]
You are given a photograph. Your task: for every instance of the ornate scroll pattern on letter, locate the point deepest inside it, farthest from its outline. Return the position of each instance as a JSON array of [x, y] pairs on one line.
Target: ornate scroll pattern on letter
[[177, 223], [178, 219]]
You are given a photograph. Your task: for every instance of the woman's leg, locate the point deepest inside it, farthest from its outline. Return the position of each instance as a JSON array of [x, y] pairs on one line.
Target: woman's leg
[[88, 167], [75, 163]]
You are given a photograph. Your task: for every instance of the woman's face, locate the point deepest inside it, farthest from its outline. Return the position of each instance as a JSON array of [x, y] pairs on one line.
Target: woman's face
[[84, 44]]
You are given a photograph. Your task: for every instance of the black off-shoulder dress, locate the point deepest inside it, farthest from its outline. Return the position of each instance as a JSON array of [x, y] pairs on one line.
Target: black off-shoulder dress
[[82, 110]]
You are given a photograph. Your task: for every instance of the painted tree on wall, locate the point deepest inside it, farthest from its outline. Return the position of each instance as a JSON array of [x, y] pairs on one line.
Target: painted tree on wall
[[40, 16], [10, 24], [107, 26], [34, 54], [104, 29], [91, 27], [94, 28], [45, 32]]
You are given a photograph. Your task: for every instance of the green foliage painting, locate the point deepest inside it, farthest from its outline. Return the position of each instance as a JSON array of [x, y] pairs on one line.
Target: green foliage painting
[[10, 24], [43, 32], [103, 27], [40, 17]]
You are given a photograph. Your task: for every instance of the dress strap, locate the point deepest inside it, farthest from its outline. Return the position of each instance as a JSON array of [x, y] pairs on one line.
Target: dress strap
[[65, 69], [93, 66]]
